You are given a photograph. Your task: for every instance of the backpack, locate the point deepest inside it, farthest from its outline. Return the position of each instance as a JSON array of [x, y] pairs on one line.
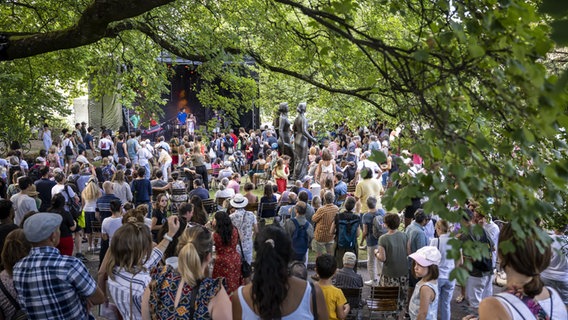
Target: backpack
[[378, 225], [229, 146], [74, 208], [107, 173], [485, 264], [300, 241], [68, 149], [347, 233]]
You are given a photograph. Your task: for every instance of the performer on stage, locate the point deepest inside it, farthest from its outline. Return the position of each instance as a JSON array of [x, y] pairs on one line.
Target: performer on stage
[[182, 117], [191, 124], [153, 121]]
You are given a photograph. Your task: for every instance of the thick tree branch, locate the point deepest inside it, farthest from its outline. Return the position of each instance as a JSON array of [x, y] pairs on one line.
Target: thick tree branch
[[90, 28], [358, 93]]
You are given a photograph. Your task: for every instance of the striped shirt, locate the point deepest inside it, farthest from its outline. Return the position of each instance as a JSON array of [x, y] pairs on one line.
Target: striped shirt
[[53, 286], [323, 218], [127, 287]]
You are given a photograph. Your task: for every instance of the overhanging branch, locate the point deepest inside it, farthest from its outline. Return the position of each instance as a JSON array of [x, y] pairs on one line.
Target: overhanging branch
[[90, 28]]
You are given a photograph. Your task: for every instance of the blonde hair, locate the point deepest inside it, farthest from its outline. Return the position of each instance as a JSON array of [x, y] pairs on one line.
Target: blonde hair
[[118, 177], [105, 161], [443, 225], [53, 149], [130, 249], [194, 245], [91, 191]]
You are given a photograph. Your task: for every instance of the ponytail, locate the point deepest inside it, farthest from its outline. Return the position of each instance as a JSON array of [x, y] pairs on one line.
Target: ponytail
[[529, 258], [194, 246], [189, 264], [270, 281], [533, 287]]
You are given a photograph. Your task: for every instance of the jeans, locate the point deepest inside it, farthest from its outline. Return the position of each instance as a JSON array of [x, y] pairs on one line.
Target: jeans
[[445, 290], [374, 266], [385, 178], [148, 172], [477, 289]]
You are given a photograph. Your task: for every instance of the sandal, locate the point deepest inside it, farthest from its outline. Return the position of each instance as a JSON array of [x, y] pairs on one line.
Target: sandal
[[460, 299]]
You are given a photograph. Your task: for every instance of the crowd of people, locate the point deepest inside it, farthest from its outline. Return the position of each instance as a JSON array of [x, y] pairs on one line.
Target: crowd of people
[[183, 234]]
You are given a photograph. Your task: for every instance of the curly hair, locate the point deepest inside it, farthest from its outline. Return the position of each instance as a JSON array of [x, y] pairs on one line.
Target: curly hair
[[224, 226]]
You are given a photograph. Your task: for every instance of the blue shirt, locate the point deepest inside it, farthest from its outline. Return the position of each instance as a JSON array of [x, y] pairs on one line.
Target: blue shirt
[[132, 147], [416, 236], [103, 205], [141, 191], [339, 190], [88, 138], [200, 192], [182, 118], [307, 191], [53, 286], [368, 221]]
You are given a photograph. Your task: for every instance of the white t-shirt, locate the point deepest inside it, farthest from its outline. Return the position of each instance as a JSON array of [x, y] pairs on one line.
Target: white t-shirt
[[558, 268], [369, 164], [110, 225], [58, 188], [105, 144], [143, 156]]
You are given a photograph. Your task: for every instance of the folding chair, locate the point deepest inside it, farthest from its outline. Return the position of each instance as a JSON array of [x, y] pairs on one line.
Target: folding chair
[[252, 207], [383, 301], [96, 228], [353, 296], [219, 202], [267, 210], [214, 180], [351, 189], [210, 206]]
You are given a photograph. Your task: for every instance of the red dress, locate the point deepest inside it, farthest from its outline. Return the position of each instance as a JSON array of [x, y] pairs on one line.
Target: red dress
[[228, 261]]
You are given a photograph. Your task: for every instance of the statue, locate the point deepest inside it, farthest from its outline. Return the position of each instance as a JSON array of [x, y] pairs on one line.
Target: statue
[[301, 137], [284, 133]]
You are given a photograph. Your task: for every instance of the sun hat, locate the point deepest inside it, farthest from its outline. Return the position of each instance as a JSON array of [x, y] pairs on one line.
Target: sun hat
[[427, 256], [239, 201]]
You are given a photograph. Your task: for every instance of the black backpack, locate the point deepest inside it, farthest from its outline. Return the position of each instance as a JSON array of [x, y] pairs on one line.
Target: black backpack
[[485, 264]]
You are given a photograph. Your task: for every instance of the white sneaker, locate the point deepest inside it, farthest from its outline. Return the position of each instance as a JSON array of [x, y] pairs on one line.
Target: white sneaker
[[371, 283]]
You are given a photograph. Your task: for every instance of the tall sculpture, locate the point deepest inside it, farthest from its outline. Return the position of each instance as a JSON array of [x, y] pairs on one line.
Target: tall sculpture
[[284, 131], [301, 138]]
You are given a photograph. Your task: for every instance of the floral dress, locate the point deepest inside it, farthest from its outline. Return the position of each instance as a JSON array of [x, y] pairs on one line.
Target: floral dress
[[244, 221], [228, 261], [163, 289]]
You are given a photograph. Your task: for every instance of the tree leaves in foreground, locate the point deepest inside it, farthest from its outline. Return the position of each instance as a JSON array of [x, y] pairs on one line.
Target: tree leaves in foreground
[[469, 82]]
